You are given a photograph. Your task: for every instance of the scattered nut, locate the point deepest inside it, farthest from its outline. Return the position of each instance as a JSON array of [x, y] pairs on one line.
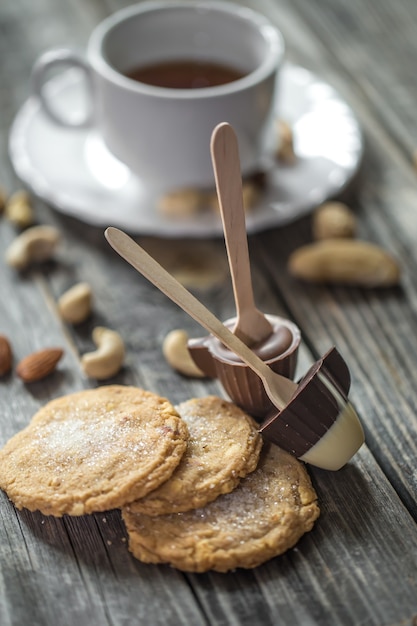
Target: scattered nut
[[34, 245], [5, 355], [75, 304], [39, 364], [181, 203], [250, 193], [187, 202], [3, 198], [212, 201], [175, 351], [344, 261], [285, 149], [107, 360], [333, 220], [18, 209]]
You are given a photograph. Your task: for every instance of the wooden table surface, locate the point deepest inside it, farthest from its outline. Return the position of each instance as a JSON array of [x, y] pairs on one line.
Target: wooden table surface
[[359, 563]]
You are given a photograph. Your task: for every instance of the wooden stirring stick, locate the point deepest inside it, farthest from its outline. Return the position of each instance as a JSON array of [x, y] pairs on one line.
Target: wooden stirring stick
[[278, 388], [252, 326]]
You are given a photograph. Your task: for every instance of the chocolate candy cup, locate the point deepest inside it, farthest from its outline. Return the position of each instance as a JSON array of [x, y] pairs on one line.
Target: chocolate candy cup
[[318, 425], [243, 386]]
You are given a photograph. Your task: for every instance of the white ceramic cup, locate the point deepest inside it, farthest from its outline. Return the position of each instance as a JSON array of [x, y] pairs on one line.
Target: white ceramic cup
[[163, 134]]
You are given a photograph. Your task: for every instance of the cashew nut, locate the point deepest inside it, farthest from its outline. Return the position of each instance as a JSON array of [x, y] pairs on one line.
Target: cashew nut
[[175, 351], [34, 245], [333, 220], [107, 360], [285, 149], [18, 209], [181, 202], [75, 304], [250, 194]]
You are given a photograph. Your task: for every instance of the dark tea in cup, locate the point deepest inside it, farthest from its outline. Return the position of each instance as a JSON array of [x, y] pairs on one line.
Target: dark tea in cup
[[185, 74]]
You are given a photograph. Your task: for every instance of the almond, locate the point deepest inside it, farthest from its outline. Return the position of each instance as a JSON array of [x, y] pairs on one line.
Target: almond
[[5, 356], [39, 364]]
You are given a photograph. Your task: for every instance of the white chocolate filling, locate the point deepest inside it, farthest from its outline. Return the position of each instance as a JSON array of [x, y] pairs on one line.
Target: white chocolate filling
[[343, 439]]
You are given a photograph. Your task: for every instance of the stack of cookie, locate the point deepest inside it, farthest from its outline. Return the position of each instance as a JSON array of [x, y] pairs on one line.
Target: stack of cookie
[[196, 487]]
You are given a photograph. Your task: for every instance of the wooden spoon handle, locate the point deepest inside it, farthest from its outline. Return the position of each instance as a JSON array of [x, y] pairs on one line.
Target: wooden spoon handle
[[277, 387], [252, 326]]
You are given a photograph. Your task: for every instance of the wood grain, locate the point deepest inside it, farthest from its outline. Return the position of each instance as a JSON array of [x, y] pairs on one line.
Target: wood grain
[[359, 564]]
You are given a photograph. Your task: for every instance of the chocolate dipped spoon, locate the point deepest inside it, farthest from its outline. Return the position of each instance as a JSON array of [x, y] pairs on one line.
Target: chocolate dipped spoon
[[328, 450], [273, 338], [251, 324]]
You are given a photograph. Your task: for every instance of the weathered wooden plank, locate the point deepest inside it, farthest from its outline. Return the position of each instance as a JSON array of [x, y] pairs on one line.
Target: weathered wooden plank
[[372, 328], [71, 571], [334, 574], [144, 340], [374, 44], [339, 508], [64, 566], [40, 583]]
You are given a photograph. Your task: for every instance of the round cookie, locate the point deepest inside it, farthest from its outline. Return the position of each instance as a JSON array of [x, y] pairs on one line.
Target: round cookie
[[223, 446], [264, 516], [92, 451]]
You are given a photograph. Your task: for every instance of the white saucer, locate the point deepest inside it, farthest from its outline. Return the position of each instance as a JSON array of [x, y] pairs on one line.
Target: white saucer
[[72, 169]]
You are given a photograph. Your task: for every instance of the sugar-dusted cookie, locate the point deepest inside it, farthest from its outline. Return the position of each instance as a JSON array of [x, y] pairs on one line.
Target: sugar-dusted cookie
[[223, 446], [264, 516], [92, 451]]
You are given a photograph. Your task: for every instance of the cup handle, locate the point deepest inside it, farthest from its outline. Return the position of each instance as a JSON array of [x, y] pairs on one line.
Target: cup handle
[[61, 59]]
